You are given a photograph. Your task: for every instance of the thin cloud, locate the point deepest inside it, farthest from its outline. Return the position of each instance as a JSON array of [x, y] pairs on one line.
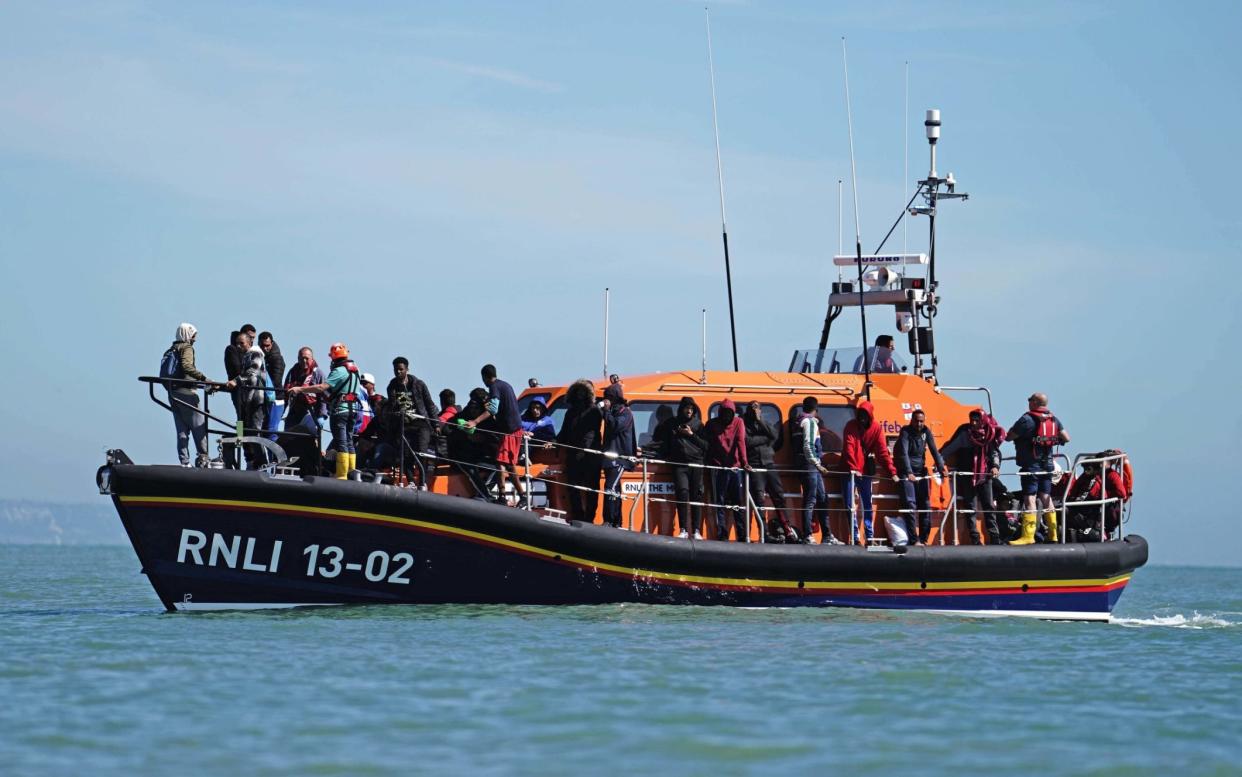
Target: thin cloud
[[510, 77]]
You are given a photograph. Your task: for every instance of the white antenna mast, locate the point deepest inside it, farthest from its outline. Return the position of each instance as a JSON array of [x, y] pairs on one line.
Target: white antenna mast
[[703, 374], [840, 220], [607, 293], [905, 170], [862, 300], [724, 229]]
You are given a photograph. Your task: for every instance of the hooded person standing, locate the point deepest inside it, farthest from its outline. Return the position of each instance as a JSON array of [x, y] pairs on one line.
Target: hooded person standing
[[1035, 436], [250, 395], [726, 449], [974, 451], [178, 362], [619, 449], [682, 444], [863, 451], [580, 432], [913, 444], [762, 440]]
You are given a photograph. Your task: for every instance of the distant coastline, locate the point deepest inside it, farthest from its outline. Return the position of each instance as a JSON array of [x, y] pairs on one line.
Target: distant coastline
[[27, 522]]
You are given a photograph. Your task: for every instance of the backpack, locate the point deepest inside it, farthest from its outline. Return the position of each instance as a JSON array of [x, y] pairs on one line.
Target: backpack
[[170, 365], [1046, 434]]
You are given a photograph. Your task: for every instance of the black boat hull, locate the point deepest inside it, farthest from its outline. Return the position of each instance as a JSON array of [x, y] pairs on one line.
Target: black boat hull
[[215, 539]]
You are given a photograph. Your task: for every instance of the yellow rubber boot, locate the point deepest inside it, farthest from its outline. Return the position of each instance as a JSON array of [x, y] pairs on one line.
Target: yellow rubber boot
[[1028, 530], [1050, 518], [342, 465], [353, 464]]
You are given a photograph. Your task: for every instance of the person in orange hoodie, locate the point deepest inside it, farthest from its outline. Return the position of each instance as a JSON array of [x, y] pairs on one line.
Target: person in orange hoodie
[[863, 451]]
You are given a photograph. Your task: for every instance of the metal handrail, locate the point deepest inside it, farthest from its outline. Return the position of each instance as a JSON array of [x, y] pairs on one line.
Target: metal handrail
[[1103, 501], [729, 387], [984, 389]]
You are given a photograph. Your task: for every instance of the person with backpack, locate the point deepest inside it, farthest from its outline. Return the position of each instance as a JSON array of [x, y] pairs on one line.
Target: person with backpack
[[913, 443], [178, 362], [341, 388], [1035, 437], [863, 448]]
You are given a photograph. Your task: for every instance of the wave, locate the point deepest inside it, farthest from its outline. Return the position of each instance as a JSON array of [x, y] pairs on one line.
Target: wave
[[1179, 621]]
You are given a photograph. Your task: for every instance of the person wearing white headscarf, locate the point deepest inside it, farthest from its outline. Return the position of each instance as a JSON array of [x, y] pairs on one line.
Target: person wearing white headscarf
[[184, 398]]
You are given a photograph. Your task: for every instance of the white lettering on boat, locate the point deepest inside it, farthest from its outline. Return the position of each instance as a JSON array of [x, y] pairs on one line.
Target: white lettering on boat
[[191, 542]]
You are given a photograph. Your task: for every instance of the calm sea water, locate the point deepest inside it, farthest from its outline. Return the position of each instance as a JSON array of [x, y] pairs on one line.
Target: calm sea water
[[96, 678]]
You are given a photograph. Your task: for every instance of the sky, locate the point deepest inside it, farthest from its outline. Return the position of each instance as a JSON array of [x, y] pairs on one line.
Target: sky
[[458, 182]]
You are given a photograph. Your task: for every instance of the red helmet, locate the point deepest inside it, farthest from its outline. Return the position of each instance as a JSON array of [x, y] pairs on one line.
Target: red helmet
[[338, 351]]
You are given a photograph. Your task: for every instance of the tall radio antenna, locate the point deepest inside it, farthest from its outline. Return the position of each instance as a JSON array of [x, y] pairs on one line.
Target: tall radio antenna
[[862, 300], [724, 229], [905, 170]]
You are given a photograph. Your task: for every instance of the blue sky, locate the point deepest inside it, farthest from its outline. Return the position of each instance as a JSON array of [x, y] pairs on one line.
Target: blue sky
[[457, 182]]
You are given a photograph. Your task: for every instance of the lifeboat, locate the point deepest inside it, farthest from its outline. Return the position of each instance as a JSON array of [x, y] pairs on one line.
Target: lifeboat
[[283, 536]]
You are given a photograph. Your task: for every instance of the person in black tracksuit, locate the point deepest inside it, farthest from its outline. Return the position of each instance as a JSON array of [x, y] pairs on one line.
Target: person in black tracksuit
[[581, 429], [762, 441], [681, 442], [910, 457]]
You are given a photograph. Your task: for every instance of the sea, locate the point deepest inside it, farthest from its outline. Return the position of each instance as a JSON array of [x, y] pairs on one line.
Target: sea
[[95, 678]]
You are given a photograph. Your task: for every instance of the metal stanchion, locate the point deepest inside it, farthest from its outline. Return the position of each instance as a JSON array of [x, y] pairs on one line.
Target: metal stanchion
[[526, 455], [646, 500]]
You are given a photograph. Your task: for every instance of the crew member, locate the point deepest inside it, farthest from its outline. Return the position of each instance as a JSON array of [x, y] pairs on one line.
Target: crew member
[[913, 443], [1035, 436], [341, 388], [879, 355]]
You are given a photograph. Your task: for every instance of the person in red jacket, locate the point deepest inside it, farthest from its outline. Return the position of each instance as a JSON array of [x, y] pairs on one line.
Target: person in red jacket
[[863, 447], [726, 447], [1083, 523]]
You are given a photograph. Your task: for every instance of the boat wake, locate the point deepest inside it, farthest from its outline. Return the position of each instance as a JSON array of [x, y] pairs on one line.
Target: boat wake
[[1179, 621]]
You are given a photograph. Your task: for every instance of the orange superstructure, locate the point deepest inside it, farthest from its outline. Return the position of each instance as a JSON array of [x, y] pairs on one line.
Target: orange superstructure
[[654, 397]]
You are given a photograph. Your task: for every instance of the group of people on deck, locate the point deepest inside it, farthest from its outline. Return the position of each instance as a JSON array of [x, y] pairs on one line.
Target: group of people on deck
[[405, 426]]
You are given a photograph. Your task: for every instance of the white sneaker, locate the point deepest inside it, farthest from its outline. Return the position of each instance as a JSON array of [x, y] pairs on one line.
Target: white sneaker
[[684, 535], [698, 536], [810, 540]]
